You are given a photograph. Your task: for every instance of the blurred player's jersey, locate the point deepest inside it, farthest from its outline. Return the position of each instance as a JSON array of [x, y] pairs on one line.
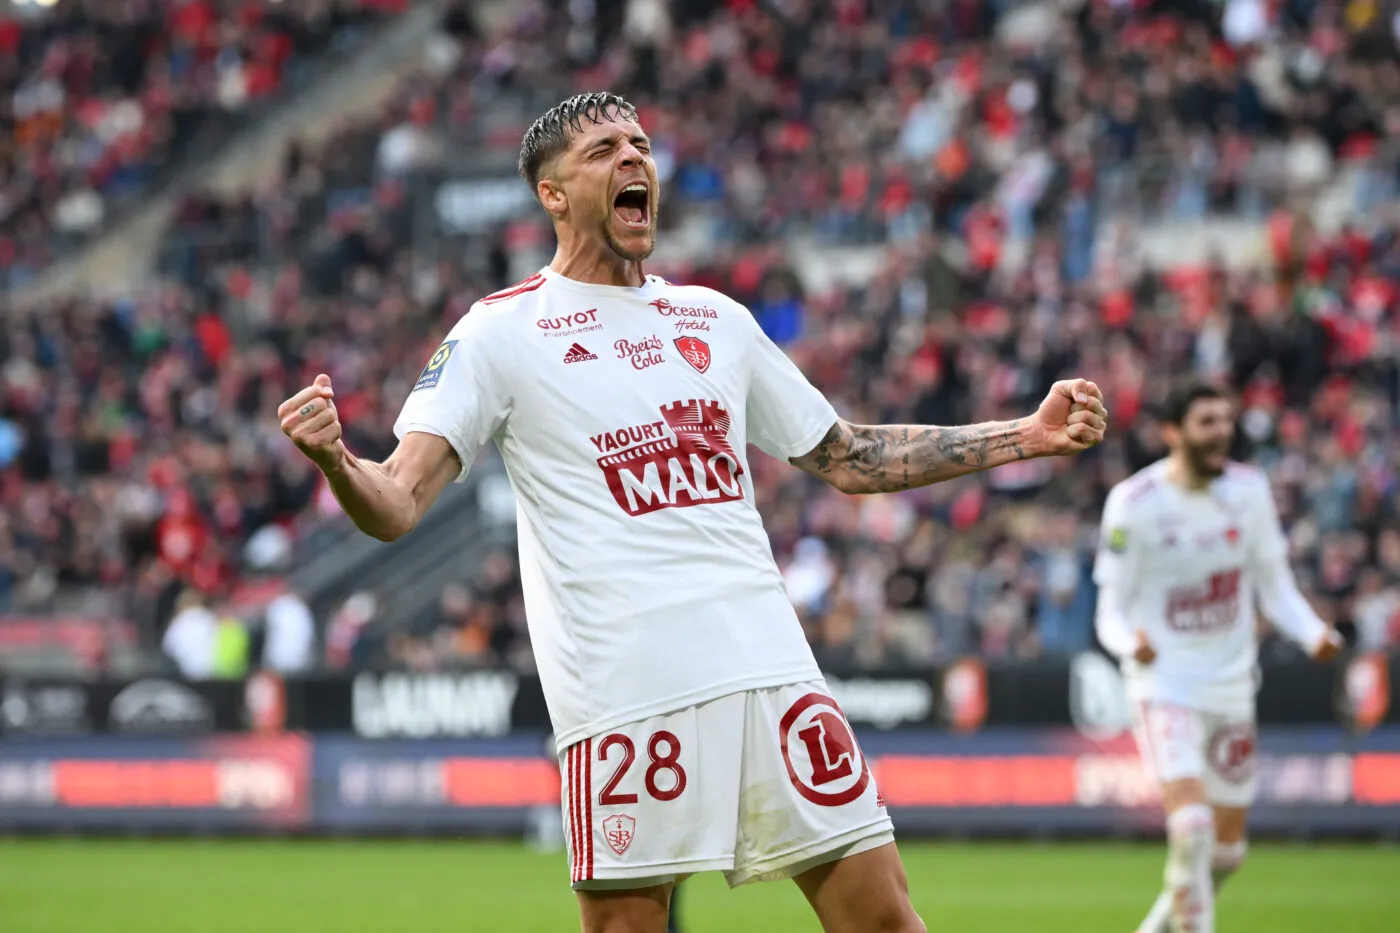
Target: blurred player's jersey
[[622, 416], [1186, 564]]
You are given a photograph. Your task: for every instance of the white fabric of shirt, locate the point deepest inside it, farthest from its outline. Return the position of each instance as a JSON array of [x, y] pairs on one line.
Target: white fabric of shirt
[[622, 416]]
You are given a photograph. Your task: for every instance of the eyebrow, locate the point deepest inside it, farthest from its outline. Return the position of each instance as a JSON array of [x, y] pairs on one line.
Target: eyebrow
[[611, 139]]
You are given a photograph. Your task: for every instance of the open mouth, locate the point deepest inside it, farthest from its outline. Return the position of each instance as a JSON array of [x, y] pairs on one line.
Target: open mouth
[[633, 205]]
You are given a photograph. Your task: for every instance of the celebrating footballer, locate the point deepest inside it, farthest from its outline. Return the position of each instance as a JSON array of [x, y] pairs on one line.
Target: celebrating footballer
[[694, 729]]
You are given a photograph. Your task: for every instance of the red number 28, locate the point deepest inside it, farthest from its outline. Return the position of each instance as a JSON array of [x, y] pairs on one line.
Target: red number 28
[[669, 761]]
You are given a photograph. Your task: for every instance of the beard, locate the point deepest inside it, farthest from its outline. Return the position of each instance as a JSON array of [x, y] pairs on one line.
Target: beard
[[1201, 459], [631, 255]]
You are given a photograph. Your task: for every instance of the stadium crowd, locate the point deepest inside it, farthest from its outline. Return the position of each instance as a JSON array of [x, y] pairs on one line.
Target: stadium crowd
[[100, 99], [924, 117], [138, 453]]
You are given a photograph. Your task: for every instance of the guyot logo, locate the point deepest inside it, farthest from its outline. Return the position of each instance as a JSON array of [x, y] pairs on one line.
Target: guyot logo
[[682, 460], [569, 321]]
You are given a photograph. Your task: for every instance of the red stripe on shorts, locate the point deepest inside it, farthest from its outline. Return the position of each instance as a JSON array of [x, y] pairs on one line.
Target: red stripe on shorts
[[588, 808], [1145, 711], [576, 857]]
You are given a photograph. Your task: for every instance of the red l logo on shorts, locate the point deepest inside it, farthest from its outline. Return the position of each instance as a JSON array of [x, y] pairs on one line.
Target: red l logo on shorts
[[695, 351]]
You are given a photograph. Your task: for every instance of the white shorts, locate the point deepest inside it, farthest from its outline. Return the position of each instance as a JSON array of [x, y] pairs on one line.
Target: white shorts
[[1217, 748], [760, 785]]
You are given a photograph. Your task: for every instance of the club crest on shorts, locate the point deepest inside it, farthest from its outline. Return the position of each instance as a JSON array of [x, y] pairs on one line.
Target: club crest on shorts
[[824, 761], [695, 351], [618, 831]]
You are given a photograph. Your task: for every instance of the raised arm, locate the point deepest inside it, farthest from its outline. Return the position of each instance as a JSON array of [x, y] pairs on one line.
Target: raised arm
[[1289, 611], [384, 500], [1279, 597], [866, 458], [889, 458]]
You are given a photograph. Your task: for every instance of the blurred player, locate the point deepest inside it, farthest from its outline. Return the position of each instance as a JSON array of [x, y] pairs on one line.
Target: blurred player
[[1188, 546], [693, 727]]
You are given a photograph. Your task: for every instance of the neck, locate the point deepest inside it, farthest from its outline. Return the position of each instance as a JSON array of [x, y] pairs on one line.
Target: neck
[[1180, 473], [590, 260]]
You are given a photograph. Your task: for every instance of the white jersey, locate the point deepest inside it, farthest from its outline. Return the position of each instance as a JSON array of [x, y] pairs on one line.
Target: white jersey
[[1186, 568], [622, 415]]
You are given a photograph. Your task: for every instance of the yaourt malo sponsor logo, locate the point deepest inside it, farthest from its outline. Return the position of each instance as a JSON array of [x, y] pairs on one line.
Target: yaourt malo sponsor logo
[[683, 459]]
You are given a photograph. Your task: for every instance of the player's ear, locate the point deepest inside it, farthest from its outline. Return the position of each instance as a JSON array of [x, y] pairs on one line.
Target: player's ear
[[552, 197]]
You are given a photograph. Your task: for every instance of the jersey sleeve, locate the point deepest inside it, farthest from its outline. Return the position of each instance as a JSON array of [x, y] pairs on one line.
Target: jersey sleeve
[[1279, 597], [1119, 555], [1116, 570], [461, 395], [787, 415], [1268, 543]]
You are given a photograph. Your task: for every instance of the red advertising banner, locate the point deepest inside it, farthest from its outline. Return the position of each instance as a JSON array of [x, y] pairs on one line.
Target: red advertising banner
[[231, 780]]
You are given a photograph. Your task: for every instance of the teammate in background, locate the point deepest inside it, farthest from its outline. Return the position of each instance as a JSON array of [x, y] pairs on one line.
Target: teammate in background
[[693, 728], [1188, 546]]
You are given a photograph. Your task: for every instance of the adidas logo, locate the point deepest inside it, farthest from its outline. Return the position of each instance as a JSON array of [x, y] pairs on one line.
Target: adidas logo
[[577, 354]]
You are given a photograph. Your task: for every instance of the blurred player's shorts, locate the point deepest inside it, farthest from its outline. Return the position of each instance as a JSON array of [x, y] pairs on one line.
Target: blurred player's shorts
[[1217, 747]]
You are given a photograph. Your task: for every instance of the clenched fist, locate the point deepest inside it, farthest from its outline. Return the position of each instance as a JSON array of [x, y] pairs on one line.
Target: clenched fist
[[1071, 419], [1143, 652], [310, 420], [1331, 645]]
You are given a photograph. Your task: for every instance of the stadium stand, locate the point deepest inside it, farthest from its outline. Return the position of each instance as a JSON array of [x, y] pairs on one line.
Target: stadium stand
[[994, 200], [105, 100]]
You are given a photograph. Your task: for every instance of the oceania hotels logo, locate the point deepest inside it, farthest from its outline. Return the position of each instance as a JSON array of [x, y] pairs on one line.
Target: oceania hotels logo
[[566, 325], [691, 318], [682, 459]]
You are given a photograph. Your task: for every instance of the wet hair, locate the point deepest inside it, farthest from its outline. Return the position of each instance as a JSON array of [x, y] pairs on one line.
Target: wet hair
[[1181, 398], [548, 136]]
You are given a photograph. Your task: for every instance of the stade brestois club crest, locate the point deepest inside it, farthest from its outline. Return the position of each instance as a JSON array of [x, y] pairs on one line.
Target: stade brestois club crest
[[695, 351], [619, 831]]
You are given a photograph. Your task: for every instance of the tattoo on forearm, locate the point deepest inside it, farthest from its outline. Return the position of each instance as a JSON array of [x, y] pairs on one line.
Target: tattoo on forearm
[[889, 458]]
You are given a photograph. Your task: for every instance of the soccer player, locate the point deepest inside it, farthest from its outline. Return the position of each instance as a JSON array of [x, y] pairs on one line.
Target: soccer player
[[1189, 545], [693, 727]]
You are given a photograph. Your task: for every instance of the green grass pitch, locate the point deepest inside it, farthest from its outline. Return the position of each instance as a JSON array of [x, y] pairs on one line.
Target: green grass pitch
[[77, 886]]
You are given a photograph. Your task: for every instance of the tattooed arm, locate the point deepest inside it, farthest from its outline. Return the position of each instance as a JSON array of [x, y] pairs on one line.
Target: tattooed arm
[[888, 458], [860, 458]]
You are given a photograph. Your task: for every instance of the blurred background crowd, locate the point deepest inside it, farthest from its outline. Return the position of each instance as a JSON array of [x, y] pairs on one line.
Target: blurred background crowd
[[937, 208], [103, 99]]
